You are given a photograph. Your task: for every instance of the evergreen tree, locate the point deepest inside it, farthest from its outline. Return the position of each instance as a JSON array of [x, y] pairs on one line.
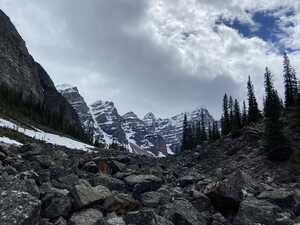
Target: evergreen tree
[[225, 120], [244, 115], [203, 129], [187, 136], [290, 82], [276, 145], [253, 111], [231, 109], [210, 132], [198, 135], [215, 131], [237, 121]]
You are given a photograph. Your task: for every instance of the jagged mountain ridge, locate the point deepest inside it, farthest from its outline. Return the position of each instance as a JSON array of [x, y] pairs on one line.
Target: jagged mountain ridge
[[171, 128], [107, 126], [150, 134]]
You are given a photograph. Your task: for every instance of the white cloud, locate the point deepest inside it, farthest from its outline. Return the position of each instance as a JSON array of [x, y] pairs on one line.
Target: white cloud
[[164, 56]]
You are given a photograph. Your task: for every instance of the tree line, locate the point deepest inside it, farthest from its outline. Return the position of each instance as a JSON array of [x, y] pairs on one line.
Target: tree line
[[199, 132], [14, 104], [234, 119]]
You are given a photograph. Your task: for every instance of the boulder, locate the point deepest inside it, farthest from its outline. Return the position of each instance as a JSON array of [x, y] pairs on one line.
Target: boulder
[[218, 219], [151, 199], [19, 208], [182, 212], [143, 183], [146, 217], [226, 196], [108, 181], [121, 203], [187, 180], [84, 194], [55, 204], [113, 219], [90, 167], [254, 211], [86, 217], [280, 197]]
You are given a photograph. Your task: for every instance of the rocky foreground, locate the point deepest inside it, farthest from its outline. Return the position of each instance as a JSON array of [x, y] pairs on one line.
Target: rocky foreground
[[229, 182]]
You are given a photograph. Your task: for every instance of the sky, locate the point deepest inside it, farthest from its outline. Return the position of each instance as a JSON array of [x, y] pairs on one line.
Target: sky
[[163, 56]]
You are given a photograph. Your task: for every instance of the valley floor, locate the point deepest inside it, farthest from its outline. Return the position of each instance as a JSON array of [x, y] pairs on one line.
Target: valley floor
[[228, 182]]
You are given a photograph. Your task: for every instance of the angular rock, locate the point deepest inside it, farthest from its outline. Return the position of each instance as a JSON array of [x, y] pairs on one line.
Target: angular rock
[[113, 219], [227, 195], [151, 199], [19, 208], [86, 217], [146, 217], [121, 204], [182, 212], [283, 198], [55, 205], [253, 211], [84, 194], [108, 181], [143, 183]]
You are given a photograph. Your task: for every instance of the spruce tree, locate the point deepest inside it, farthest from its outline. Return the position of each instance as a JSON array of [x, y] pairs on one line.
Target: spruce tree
[[244, 115], [187, 136], [236, 121], [290, 82], [226, 120], [231, 109], [276, 145], [253, 111], [198, 135], [203, 129], [210, 132]]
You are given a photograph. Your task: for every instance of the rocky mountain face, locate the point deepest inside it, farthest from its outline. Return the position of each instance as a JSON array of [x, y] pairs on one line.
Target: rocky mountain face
[[171, 128], [78, 103], [102, 121], [229, 182], [19, 72]]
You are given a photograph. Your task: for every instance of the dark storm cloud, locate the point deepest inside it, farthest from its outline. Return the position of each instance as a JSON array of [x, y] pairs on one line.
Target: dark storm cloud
[[108, 56]]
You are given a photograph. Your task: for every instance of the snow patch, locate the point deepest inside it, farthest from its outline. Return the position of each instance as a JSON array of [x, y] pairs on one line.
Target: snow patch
[[9, 141], [47, 137]]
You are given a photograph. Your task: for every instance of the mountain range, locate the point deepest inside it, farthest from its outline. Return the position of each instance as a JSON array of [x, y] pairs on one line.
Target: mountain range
[[147, 135]]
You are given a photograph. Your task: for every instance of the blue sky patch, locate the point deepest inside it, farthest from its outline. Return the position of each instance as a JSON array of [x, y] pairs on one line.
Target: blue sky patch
[[267, 26]]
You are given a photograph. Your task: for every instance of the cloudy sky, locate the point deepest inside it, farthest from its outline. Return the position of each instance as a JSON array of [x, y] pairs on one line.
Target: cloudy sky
[[164, 56]]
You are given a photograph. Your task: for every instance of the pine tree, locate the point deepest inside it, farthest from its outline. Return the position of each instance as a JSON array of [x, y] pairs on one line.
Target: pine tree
[[210, 132], [203, 129], [276, 145], [226, 120], [187, 136], [290, 82], [253, 111], [198, 135], [216, 132], [231, 109], [244, 115], [236, 121]]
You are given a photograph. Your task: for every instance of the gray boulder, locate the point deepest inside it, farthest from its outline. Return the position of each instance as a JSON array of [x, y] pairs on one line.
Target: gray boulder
[[108, 181], [280, 197], [84, 194], [146, 217], [143, 183], [253, 211], [86, 217], [182, 212], [55, 204], [151, 199], [19, 208], [121, 204]]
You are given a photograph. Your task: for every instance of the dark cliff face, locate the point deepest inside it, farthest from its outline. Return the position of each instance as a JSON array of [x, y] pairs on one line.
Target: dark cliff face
[[54, 101], [17, 67], [19, 72]]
